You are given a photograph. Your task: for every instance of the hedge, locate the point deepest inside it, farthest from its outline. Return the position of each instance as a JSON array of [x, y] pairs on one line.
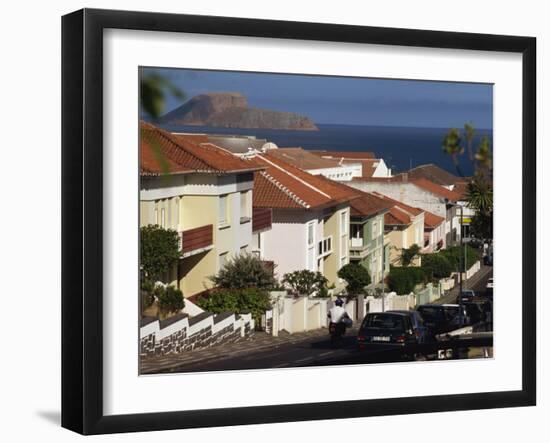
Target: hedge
[[253, 300], [403, 280]]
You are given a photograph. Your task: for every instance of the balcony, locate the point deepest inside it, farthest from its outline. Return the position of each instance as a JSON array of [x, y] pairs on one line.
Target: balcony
[[196, 240], [261, 219]]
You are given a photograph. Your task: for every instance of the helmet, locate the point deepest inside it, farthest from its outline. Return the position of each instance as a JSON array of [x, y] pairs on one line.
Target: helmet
[[338, 302]]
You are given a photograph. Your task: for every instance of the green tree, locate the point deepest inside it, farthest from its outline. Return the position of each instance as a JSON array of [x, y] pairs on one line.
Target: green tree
[[452, 147], [469, 132], [403, 280], [436, 266], [159, 251], [305, 282], [409, 254], [253, 300], [356, 277], [170, 299], [244, 271], [480, 188], [154, 88]]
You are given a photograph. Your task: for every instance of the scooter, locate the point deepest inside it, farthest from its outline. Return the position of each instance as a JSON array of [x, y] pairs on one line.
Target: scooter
[[337, 330]]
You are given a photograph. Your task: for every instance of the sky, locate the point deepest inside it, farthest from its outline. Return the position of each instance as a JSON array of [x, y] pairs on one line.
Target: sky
[[347, 100]]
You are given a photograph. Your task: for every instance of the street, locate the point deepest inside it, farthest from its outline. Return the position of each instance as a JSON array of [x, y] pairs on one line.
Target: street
[[477, 283], [312, 348]]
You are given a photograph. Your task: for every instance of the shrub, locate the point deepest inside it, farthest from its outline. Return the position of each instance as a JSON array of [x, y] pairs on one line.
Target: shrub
[[159, 250], [436, 266], [244, 271], [253, 300], [408, 254], [170, 299], [403, 280], [356, 276], [454, 255], [305, 282]]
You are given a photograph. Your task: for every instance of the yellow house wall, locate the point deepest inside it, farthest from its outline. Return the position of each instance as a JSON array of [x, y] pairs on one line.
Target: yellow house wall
[[332, 262], [400, 239]]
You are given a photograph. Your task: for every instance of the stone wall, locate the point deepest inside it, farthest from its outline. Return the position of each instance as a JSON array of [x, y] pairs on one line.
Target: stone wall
[[182, 333]]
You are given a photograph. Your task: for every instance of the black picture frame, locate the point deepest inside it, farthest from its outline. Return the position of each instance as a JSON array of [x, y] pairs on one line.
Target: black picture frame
[[82, 219]]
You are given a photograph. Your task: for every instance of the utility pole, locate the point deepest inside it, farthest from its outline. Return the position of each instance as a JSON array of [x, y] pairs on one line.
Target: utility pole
[[461, 268]]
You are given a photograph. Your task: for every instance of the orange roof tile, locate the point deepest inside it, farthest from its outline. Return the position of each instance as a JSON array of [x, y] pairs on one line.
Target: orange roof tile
[[165, 153], [436, 189], [432, 221], [303, 158], [283, 185]]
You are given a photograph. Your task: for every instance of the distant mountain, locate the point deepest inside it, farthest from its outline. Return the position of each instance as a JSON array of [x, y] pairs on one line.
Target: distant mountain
[[231, 110]]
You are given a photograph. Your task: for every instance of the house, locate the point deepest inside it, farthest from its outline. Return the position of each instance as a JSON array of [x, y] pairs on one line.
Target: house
[[435, 174], [371, 166], [366, 244], [452, 182], [311, 214], [203, 192], [419, 193], [434, 232], [316, 165], [404, 226]]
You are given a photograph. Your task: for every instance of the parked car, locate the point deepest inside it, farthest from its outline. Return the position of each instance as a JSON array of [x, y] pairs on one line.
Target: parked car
[[420, 330], [467, 295], [391, 329], [488, 260], [440, 319], [489, 288]]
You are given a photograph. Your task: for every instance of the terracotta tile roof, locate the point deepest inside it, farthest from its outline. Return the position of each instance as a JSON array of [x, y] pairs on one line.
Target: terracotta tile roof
[[421, 183], [282, 185], [411, 209], [433, 173], [461, 188], [437, 189], [348, 155], [165, 153], [365, 204], [399, 213], [432, 221], [303, 159]]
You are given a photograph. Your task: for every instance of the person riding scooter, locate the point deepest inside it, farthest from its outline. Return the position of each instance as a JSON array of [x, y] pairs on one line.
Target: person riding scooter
[[338, 319]]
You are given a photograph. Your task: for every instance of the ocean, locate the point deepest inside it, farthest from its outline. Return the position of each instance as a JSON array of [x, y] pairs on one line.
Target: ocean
[[400, 147]]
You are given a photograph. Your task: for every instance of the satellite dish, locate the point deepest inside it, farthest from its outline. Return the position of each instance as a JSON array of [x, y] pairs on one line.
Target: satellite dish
[[269, 145]]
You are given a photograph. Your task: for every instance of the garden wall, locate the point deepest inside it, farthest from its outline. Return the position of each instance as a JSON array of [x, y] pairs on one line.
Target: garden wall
[[182, 333]]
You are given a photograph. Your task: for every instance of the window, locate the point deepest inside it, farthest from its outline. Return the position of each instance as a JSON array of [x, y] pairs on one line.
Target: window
[[222, 209], [222, 260], [245, 204], [156, 216], [343, 222], [162, 218], [310, 233]]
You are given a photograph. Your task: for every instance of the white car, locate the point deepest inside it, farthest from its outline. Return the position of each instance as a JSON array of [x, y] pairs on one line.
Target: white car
[[490, 283]]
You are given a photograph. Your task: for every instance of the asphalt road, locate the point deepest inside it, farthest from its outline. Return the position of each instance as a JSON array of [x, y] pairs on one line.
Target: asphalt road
[[477, 283]]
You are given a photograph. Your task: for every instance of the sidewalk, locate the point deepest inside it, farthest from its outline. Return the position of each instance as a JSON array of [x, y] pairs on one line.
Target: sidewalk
[[260, 341]]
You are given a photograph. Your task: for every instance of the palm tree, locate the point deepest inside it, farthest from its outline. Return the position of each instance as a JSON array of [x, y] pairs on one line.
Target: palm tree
[[480, 194], [469, 132], [484, 157], [451, 146]]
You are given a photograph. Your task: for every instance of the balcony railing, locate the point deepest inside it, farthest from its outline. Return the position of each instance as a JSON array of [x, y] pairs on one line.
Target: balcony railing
[[261, 219], [196, 240]]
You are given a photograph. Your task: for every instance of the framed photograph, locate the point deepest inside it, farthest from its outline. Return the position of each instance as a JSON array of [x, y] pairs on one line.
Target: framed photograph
[[269, 221]]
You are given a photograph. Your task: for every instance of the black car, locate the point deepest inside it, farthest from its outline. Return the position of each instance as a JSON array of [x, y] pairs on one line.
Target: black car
[[391, 329], [440, 319]]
